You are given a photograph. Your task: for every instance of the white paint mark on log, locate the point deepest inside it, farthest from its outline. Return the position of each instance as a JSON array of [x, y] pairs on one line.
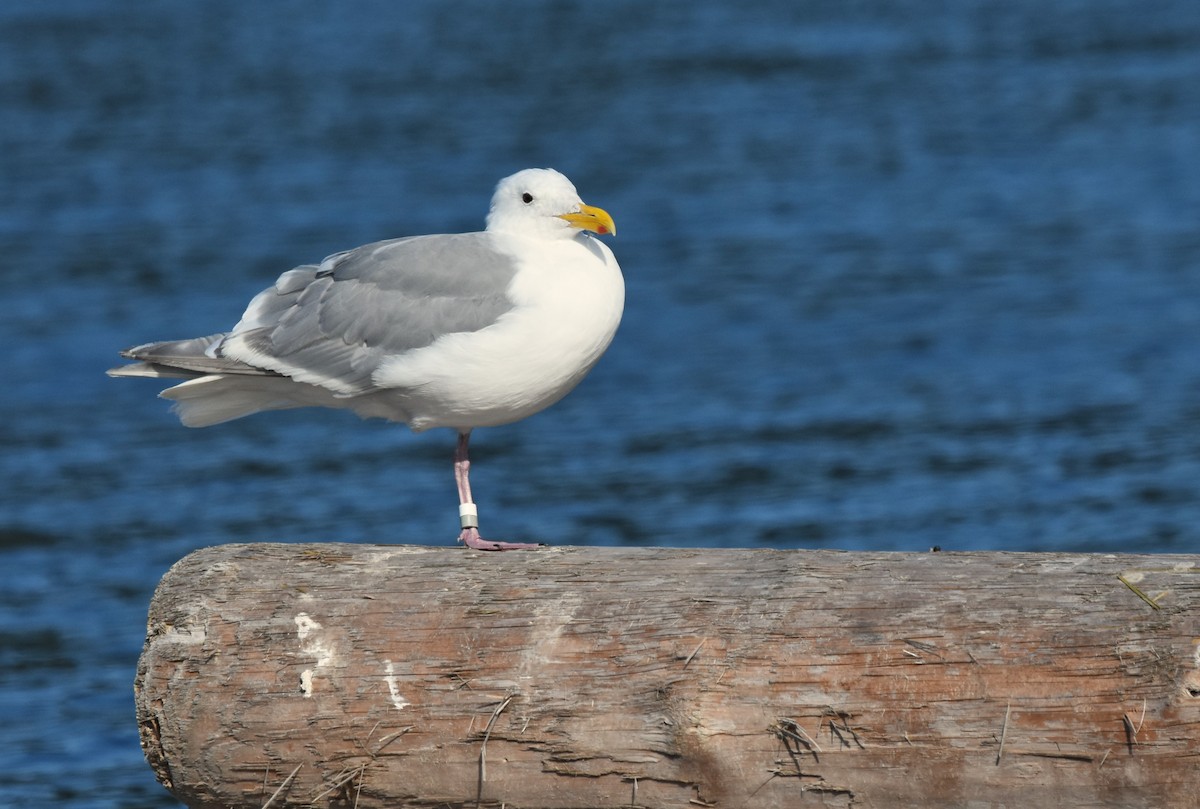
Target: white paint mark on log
[[393, 685], [312, 642], [305, 625]]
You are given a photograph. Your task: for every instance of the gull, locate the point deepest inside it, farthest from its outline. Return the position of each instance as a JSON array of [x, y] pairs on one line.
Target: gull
[[460, 330]]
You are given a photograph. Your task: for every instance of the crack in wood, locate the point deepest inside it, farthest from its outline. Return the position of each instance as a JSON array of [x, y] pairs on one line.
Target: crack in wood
[[1084, 757]]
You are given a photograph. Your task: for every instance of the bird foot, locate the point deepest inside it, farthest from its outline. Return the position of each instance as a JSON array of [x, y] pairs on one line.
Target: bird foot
[[471, 538]]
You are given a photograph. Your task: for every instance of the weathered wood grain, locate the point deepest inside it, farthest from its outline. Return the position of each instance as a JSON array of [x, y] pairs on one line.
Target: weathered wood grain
[[601, 677]]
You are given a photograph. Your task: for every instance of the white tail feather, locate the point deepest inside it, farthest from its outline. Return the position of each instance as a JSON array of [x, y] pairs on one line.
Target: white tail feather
[[147, 369], [218, 398]]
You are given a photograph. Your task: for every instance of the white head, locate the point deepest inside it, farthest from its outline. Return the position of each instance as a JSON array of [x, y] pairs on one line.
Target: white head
[[543, 204]]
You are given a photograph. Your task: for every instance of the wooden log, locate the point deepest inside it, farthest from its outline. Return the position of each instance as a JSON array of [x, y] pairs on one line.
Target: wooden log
[[373, 676]]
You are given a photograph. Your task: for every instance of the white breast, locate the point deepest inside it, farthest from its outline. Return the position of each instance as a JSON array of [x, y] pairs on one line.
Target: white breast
[[569, 298]]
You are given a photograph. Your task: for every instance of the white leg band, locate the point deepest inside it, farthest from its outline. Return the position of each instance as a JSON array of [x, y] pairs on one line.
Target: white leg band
[[468, 515]]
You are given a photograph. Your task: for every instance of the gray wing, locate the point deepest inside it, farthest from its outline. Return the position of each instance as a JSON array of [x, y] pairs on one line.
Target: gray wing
[[333, 324], [183, 359]]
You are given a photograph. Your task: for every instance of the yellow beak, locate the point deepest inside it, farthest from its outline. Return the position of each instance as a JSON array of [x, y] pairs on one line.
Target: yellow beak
[[590, 218]]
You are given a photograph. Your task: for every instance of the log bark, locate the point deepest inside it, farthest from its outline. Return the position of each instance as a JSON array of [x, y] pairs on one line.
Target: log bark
[[397, 676]]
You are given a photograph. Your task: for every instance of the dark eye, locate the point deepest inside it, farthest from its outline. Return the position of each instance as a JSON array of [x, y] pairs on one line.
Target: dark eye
[[527, 198]]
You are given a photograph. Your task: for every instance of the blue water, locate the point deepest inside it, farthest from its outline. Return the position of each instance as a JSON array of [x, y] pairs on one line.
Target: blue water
[[899, 275]]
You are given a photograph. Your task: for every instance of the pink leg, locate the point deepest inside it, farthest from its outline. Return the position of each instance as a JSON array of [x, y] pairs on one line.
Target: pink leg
[[470, 533]]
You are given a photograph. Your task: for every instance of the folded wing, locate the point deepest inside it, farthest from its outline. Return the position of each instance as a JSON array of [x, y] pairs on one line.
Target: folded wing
[[333, 324]]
